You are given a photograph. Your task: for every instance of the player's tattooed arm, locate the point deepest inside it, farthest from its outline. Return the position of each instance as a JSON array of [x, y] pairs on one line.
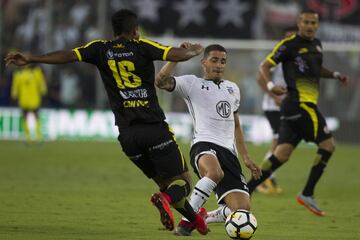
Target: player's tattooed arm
[[163, 79]]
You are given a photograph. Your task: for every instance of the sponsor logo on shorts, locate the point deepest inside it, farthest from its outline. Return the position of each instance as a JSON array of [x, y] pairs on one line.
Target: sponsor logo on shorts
[[161, 145]]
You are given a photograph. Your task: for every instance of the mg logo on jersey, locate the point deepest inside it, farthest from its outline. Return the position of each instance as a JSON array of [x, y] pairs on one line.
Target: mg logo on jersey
[[223, 108]]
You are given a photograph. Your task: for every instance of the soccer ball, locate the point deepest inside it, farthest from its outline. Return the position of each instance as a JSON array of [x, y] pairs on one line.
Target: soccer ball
[[241, 224]]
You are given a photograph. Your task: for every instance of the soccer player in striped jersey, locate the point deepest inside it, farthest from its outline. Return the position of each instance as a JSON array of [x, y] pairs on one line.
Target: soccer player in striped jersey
[[302, 63], [127, 71]]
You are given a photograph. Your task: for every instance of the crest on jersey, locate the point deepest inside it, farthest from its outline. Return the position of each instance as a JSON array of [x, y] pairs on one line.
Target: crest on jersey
[[303, 50], [230, 90], [119, 45], [223, 108]]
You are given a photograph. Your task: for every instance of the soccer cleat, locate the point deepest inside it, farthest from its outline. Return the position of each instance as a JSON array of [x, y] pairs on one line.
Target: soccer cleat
[[200, 222], [185, 228], [203, 213], [217, 216], [269, 186], [166, 216], [310, 203]]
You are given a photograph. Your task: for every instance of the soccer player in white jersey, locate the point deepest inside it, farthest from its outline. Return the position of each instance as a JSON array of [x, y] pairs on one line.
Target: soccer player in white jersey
[[213, 104]]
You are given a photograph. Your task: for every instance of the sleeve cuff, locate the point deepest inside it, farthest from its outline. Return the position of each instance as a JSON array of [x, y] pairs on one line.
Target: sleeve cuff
[[166, 51], [78, 54], [269, 59]]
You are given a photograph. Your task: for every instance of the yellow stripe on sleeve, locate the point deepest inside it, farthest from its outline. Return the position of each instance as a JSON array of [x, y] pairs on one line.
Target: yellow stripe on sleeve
[[166, 53], [157, 45], [269, 57], [313, 117], [76, 50], [88, 44]]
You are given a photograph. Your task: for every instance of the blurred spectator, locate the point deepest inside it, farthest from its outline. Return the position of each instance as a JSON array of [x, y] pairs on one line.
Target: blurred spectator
[[69, 87], [79, 12]]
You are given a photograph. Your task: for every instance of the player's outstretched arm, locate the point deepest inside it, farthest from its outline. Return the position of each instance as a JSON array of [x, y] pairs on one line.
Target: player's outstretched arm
[[326, 73], [184, 52], [57, 57], [241, 147], [163, 79], [265, 74]]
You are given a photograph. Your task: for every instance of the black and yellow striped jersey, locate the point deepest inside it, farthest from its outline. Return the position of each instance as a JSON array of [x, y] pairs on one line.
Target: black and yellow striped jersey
[[301, 63], [127, 70]]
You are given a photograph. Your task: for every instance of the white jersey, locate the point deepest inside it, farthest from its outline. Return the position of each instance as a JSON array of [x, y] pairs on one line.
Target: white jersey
[[212, 108], [268, 103]]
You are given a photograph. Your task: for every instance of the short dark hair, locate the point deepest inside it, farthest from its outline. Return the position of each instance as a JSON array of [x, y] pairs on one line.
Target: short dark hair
[[213, 47], [124, 21]]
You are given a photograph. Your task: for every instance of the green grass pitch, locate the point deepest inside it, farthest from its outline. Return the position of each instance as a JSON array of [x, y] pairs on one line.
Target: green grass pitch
[[90, 190]]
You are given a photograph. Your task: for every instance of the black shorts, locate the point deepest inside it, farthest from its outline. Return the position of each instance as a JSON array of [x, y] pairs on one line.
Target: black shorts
[[233, 181], [274, 119], [302, 121], [153, 149]]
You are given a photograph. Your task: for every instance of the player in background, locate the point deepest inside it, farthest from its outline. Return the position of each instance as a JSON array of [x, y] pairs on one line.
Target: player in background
[[127, 70], [271, 107], [28, 88], [213, 104], [302, 63]]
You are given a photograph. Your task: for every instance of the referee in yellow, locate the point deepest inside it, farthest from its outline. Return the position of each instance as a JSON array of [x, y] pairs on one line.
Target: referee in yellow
[[28, 87]]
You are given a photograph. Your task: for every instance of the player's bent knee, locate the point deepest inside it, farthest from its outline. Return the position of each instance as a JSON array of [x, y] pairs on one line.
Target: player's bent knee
[[237, 200], [328, 145]]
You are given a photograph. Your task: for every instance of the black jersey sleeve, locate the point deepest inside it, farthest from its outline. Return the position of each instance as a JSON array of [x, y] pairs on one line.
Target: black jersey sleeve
[[153, 50], [90, 52], [281, 51]]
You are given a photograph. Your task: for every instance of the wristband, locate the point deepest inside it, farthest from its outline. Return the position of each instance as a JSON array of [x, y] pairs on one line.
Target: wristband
[[270, 85], [336, 74]]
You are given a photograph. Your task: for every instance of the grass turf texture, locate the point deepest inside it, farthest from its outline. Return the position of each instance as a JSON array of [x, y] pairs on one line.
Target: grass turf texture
[[89, 190]]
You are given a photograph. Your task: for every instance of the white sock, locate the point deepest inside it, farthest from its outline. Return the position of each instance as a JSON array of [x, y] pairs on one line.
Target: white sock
[[201, 193], [218, 215]]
